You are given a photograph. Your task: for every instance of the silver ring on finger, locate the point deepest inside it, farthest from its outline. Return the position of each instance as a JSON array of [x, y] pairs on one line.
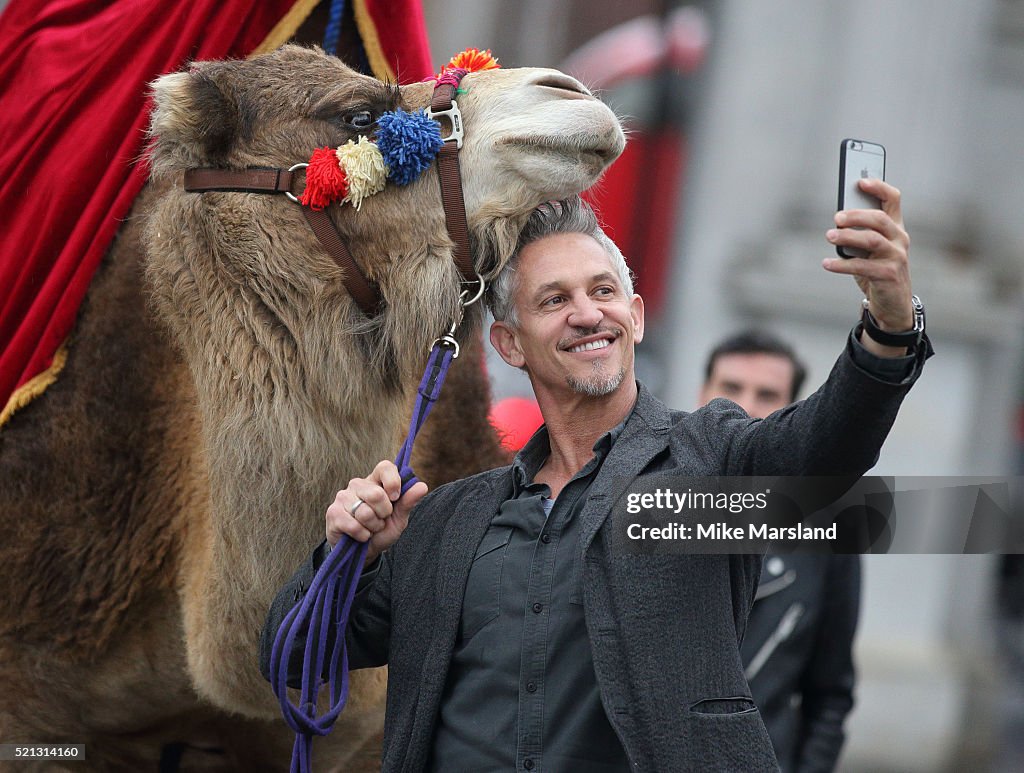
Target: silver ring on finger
[[354, 506]]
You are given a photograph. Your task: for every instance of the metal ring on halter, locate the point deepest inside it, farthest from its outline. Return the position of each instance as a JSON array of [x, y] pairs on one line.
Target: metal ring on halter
[[292, 168], [475, 298], [449, 337]]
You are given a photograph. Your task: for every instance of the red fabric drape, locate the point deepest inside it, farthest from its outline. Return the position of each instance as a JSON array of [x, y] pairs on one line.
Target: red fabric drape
[[73, 111], [73, 77], [403, 37]]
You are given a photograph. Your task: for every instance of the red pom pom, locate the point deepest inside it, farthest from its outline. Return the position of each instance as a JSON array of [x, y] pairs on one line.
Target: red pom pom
[[325, 179]]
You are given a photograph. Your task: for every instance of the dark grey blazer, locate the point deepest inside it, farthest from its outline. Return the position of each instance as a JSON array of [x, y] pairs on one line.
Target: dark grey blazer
[[665, 629]]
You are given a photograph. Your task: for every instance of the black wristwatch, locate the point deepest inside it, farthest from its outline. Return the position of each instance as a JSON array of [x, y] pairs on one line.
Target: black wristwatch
[[910, 338]]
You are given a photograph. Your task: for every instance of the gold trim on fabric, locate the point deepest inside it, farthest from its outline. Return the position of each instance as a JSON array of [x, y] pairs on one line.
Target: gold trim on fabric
[[371, 43], [35, 386], [286, 28]]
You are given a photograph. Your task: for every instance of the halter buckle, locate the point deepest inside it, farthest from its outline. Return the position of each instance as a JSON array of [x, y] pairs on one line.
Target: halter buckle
[[454, 116]]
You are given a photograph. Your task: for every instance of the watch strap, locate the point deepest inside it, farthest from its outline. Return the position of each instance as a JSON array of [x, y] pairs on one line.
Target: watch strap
[[908, 338]]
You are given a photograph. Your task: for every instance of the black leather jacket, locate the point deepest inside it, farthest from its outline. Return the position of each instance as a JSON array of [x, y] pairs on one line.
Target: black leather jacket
[[798, 655]]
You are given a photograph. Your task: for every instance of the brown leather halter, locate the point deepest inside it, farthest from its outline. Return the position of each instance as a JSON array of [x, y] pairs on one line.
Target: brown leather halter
[[365, 293]]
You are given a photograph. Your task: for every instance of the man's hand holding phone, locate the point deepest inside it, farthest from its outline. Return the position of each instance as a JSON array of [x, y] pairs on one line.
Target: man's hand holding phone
[[883, 274]]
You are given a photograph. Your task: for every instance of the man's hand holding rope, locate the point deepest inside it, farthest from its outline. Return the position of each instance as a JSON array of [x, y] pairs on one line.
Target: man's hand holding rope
[[373, 508]]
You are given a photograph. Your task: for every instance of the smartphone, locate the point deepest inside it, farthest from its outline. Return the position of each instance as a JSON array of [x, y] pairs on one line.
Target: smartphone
[[858, 159]]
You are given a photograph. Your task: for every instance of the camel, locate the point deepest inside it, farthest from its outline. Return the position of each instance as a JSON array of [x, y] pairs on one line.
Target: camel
[[221, 386]]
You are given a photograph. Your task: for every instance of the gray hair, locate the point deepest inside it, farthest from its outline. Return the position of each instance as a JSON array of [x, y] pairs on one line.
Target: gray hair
[[572, 216]]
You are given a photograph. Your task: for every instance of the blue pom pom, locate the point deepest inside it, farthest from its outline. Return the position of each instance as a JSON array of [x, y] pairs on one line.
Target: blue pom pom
[[409, 143]]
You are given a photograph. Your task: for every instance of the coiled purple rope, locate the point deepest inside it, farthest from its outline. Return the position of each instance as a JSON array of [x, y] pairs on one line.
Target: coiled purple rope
[[317, 613]]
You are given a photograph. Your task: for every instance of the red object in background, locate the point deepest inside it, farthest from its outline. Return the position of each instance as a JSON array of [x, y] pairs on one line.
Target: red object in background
[[638, 197], [401, 31], [516, 419], [73, 86], [641, 222]]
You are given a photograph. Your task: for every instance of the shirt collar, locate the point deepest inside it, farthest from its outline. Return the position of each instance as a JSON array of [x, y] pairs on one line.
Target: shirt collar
[[537, 449]]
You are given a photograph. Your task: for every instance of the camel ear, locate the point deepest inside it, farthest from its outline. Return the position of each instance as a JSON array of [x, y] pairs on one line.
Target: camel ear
[[193, 122]]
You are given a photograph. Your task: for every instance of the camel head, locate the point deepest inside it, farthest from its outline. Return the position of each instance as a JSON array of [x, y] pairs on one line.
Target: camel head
[[531, 135]]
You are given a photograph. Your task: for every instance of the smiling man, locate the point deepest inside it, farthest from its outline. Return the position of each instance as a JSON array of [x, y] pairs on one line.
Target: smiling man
[[604, 318], [517, 637]]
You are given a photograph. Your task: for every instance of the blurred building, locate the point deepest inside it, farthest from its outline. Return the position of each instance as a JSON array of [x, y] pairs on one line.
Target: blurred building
[[757, 123]]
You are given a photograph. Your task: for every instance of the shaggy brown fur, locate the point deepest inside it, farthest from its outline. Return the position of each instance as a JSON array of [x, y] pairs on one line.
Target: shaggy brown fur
[[155, 499]]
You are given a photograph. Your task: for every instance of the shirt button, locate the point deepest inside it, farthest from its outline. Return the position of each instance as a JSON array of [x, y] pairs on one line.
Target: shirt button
[[528, 763], [531, 687], [537, 608], [545, 538]]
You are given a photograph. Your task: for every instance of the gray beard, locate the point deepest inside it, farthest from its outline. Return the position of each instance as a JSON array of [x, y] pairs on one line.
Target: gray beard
[[597, 385]]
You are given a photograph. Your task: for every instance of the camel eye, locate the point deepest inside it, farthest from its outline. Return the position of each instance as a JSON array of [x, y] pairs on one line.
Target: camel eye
[[362, 120]]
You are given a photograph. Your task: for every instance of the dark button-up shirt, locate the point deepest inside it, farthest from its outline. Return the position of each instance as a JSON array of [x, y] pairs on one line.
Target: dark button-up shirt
[[521, 691]]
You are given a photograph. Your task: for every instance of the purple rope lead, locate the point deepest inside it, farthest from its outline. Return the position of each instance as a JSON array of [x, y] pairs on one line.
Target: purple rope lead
[[338, 577]]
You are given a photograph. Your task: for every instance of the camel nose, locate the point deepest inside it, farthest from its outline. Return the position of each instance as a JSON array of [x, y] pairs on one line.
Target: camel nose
[[569, 88]]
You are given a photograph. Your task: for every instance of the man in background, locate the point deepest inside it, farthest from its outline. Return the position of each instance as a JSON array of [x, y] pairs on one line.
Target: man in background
[[797, 653]]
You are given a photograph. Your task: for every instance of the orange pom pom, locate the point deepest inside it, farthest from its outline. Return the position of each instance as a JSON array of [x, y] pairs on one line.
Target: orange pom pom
[[326, 181], [472, 60]]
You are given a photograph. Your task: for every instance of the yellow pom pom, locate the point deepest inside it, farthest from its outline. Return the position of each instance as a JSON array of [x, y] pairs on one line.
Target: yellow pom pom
[[365, 169]]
